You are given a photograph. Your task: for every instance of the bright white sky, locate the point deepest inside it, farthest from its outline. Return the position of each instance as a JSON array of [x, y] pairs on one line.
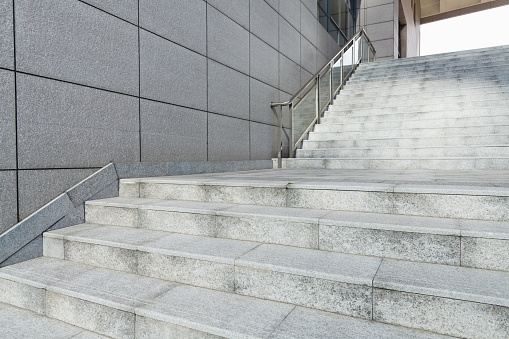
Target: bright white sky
[[477, 30]]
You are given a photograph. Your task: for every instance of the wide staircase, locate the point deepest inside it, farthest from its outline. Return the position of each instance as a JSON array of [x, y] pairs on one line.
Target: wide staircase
[[392, 222], [445, 112]]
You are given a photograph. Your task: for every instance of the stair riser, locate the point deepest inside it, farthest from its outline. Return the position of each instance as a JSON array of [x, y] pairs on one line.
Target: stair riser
[[432, 205], [489, 105], [428, 75], [381, 152], [425, 84], [340, 117], [469, 57], [409, 142], [327, 126], [409, 133], [402, 164], [418, 100], [487, 67], [437, 63], [424, 105], [423, 90], [463, 93]]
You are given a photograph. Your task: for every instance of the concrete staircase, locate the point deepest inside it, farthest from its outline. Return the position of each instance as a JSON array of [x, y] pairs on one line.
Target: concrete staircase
[[299, 253], [444, 112]]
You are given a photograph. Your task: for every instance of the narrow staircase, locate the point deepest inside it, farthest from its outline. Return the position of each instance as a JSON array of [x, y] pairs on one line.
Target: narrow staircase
[[392, 222]]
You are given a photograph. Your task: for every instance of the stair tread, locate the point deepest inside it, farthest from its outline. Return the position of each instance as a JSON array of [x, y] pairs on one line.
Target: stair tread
[[17, 323], [482, 286], [209, 311]]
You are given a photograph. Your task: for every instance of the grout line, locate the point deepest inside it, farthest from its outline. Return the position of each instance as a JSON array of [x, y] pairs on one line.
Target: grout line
[[139, 81], [106, 12], [282, 321], [373, 291], [249, 76], [15, 108], [207, 75]]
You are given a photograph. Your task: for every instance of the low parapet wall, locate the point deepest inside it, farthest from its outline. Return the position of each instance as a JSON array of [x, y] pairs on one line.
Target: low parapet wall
[[23, 241]]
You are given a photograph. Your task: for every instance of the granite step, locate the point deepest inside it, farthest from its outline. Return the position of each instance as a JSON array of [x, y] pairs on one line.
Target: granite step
[[422, 105], [464, 67], [123, 305], [349, 95], [460, 100], [447, 164], [469, 243], [383, 151], [437, 141], [371, 115], [420, 132], [472, 55], [365, 194], [353, 125]]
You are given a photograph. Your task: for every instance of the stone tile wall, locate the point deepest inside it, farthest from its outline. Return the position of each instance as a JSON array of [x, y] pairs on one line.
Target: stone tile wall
[[85, 83]]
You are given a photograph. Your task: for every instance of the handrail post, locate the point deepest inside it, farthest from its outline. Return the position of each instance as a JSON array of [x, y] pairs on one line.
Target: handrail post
[[362, 48], [280, 134], [341, 72], [331, 92], [290, 142], [317, 91]]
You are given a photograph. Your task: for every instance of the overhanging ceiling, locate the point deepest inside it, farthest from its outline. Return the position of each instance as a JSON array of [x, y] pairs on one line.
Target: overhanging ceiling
[[435, 7]]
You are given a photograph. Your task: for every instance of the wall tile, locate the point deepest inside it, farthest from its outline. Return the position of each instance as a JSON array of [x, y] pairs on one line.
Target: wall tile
[[237, 10], [264, 22], [261, 97], [263, 62], [379, 14], [289, 41], [172, 133], [61, 125], [305, 76], [183, 22], [289, 75], [321, 60], [228, 91], [38, 187], [265, 142], [290, 10], [172, 73], [227, 42], [6, 36], [125, 9], [312, 6], [384, 48], [228, 138], [308, 24], [73, 41], [273, 3], [7, 121], [380, 31], [8, 203], [307, 55]]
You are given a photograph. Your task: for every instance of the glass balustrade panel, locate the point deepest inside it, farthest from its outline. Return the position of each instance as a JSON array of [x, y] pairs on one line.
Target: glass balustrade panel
[[324, 91], [303, 114]]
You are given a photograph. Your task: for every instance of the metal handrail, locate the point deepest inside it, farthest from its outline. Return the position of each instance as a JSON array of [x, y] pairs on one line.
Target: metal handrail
[[315, 80]]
